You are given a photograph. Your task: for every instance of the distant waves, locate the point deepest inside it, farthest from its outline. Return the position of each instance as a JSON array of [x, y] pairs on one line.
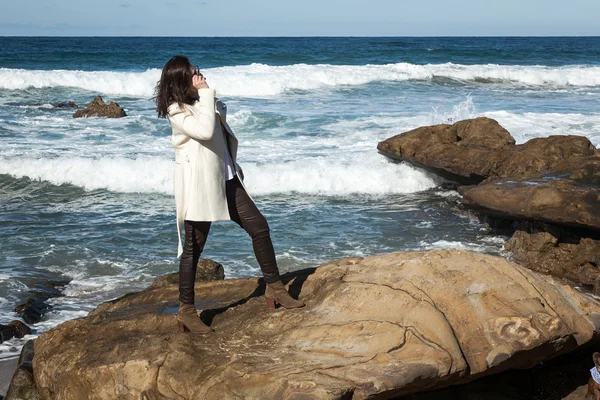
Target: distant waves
[[265, 80]]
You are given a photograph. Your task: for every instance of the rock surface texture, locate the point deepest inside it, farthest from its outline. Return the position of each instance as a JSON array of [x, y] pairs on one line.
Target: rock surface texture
[[376, 327], [472, 150], [98, 108], [549, 198], [557, 251]]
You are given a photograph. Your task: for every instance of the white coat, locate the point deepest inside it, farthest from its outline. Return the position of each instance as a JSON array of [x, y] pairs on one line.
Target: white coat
[[199, 176]]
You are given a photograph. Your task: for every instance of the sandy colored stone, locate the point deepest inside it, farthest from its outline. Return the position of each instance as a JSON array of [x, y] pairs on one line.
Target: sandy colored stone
[[380, 327], [553, 198], [553, 250], [98, 108], [206, 270], [472, 150]]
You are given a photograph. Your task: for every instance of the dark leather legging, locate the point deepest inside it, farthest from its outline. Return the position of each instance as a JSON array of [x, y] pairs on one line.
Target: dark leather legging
[[244, 212]]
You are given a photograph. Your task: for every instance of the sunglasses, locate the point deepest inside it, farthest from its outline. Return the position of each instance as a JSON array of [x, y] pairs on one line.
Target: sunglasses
[[197, 71]]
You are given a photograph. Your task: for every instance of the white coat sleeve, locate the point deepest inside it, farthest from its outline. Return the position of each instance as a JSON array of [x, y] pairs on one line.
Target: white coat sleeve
[[200, 123]]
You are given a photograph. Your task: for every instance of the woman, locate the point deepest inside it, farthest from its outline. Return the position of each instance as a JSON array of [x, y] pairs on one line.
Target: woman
[[207, 184]]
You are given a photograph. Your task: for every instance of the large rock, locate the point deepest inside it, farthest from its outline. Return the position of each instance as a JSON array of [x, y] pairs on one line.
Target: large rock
[[98, 108], [472, 150], [376, 327], [557, 251], [570, 198]]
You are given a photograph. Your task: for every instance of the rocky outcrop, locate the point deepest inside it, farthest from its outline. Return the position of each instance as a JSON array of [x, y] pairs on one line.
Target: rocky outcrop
[[14, 329], [472, 150], [376, 327], [65, 104], [570, 198], [561, 252], [206, 271], [554, 180], [37, 305], [98, 108]]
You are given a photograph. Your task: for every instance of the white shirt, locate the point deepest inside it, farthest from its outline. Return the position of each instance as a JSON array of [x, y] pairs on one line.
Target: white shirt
[[229, 168]]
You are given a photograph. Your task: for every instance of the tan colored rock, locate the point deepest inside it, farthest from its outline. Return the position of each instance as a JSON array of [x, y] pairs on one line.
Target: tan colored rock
[[381, 326], [206, 270], [551, 250], [472, 150], [550, 198], [98, 108]]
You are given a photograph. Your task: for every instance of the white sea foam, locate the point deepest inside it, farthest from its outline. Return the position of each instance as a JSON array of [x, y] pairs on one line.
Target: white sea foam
[[266, 80], [116, 174], [526, 126], [327, 178], [373, 176]]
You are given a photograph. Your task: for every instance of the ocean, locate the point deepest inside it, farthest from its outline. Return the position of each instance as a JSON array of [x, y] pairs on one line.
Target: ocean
[[89, 201]]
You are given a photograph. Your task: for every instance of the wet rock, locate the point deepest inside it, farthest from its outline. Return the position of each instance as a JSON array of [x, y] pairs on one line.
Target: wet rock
[[472, 150], [27, 352], [208, 270], [65, 104], [552, 197], [36, 306], [376, 327], [98, 108], [32, 311], [20, 329], [14, 329]]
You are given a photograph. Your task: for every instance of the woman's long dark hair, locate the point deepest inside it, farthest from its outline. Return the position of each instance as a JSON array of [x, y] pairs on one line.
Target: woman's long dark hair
[[174, 85]]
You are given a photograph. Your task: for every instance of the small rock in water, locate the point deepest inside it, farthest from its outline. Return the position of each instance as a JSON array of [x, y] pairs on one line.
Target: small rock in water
[[65, 104], [34, 309], [98, 108], [13, 329], [208, 270]]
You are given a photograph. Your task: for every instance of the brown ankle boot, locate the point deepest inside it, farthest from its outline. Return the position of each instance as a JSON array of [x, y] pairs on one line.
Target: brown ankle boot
[[276, 293], [189, 321]]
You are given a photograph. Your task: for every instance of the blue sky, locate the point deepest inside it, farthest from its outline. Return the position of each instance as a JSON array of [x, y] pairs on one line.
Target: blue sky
[[299, 18]]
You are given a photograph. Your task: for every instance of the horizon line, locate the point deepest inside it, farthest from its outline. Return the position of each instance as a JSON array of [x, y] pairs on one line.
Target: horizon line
[[311, 36]]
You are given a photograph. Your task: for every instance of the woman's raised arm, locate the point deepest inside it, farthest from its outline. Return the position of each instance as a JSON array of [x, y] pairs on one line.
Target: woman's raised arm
[[200, 123]]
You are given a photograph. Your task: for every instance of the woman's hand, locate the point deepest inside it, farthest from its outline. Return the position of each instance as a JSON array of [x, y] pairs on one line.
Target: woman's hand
[[199, 82]]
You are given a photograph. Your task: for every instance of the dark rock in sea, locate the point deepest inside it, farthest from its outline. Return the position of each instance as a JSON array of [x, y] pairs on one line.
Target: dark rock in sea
[[98, 108], [208, 270], [377, 327], [36, 306], [14, 329], [7, 332], [552, 197], [472, 150], [65, 104], [20, 329]]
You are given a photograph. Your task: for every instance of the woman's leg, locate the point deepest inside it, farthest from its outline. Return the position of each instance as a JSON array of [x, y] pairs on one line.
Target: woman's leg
[[244, 212], [196, 233]]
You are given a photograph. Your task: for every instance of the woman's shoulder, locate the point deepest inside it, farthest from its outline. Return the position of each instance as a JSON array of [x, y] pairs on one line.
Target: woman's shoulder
[[176, 108]]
